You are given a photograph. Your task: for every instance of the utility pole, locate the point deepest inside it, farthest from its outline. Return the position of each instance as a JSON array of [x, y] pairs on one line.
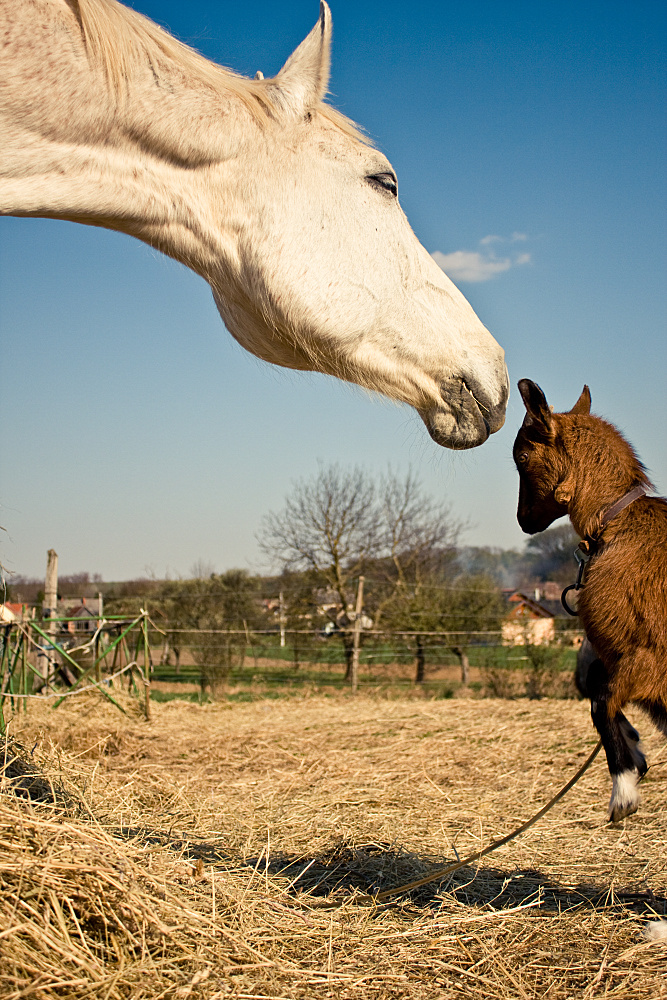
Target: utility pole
[[49, 607], [354, 674]]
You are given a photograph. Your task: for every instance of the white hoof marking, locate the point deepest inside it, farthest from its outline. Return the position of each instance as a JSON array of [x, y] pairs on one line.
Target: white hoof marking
[[624, 797]]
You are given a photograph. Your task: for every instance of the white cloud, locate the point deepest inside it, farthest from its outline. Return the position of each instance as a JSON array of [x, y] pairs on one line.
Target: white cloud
[[514, 238], [470, 265], [476, 265]]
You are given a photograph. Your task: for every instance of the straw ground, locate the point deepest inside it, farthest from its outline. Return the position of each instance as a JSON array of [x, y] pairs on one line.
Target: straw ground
[[196, 855]]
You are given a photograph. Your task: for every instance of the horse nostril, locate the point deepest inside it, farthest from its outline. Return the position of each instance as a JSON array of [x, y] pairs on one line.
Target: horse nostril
[[492, 410]]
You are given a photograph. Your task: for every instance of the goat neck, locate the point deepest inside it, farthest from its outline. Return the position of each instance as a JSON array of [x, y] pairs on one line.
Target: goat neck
[[601, 468]]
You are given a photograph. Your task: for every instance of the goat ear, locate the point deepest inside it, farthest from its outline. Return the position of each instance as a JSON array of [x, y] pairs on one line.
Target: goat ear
[[564, 492], [538, 411], [583, 404], [302, 82]]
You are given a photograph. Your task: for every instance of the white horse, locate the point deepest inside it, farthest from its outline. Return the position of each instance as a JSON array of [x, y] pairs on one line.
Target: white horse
[[269, 194]]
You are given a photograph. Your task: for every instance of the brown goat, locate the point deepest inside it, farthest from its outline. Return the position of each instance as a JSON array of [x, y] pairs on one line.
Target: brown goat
[[577, 464]]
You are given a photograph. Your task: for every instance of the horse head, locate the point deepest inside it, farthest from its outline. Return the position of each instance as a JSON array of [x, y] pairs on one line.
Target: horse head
[[327, 274], [272, 196]]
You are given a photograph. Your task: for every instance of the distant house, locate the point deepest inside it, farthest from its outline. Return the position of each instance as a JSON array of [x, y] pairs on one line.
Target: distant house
[[10, 612], [86, 612], [528, 621]]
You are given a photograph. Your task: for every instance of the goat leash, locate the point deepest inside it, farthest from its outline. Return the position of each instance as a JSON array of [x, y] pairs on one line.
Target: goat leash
[[588, 546], [478, 855]]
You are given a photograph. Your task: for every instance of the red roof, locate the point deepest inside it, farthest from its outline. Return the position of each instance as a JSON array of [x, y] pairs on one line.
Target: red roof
[[528, 605]]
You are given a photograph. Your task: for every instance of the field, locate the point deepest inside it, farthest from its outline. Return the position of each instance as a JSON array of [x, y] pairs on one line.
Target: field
[[223, 850]]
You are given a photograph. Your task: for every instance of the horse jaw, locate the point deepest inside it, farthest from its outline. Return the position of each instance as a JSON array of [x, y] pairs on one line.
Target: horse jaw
[[460, 408], [460, 391]]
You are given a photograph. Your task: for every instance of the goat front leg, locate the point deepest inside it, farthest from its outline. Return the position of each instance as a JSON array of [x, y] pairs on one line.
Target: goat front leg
[[621, 760], [626, 762]]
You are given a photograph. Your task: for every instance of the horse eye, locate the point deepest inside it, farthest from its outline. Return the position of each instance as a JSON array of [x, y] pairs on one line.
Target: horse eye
[[386, 182]]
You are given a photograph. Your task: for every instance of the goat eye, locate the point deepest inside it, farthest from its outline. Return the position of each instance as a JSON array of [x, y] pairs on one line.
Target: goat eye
[[385, 182], [522, 458]]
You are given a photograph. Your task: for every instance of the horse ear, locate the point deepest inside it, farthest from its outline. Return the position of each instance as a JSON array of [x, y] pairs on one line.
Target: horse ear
[[302, 82], [583, 404], [538, 411]]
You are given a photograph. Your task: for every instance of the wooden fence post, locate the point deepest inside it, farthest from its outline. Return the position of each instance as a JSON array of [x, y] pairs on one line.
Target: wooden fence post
[[354, 675], [49, 610], [281, 606], [147, 671]]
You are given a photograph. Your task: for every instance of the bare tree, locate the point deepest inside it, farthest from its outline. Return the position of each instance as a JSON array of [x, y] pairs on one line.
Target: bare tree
[[419, 535], [214, 611], [340, 524], [202, 569], [475, 605], [329, 524], [455, 607]]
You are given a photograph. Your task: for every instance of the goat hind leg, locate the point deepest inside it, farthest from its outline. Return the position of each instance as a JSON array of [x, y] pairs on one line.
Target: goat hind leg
[[658, 713], [626, 762], [591, 680]]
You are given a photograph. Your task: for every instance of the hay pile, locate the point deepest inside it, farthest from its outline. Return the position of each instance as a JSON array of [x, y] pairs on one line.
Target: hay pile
[[196, 855]]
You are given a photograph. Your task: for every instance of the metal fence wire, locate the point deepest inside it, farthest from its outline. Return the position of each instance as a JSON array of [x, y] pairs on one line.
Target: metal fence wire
[[53, 660]]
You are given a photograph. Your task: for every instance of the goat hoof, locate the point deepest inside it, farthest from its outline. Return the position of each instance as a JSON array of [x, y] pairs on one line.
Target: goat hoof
[[624, 797], [620, 812]]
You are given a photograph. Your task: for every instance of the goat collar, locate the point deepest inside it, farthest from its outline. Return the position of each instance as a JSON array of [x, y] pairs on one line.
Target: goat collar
[[634, 494], [611, 512], [589, 545]]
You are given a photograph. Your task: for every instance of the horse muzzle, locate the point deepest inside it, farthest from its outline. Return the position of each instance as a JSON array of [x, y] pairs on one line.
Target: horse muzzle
[[467, 415]]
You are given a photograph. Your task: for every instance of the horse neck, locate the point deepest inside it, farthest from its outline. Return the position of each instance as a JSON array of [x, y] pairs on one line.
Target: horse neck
[[140, 163], [603, 467]]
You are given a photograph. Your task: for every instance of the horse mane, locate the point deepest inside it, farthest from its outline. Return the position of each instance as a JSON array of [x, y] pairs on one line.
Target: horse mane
[[118, 39]]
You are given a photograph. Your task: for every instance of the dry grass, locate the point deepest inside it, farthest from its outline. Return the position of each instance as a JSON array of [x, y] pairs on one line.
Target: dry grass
[[190, 856]]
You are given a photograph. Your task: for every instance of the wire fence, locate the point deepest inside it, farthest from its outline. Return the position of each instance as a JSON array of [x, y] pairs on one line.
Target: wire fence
[[58, 658], [55, 659]]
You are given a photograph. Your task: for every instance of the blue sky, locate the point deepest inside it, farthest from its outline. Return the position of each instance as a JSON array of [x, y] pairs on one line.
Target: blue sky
[[529, 142]]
